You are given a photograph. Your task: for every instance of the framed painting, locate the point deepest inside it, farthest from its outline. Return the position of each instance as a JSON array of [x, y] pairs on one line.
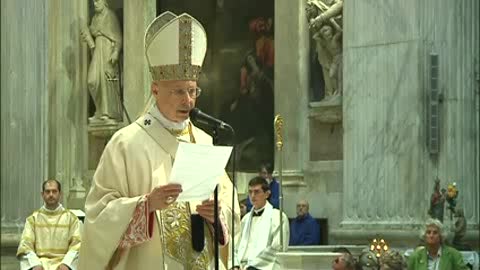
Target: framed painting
[[238, 73]]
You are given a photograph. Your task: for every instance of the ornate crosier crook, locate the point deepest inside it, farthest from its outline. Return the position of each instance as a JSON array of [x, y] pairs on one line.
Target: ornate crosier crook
[[278, 126]]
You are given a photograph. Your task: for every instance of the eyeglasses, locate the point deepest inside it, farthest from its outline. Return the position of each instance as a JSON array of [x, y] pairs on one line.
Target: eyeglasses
[[192, 92]]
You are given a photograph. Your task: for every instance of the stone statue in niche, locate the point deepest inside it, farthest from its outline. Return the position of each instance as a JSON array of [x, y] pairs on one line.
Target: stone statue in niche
[[437, 202], [328, 11], [329, 48], [460, 230], [325, 21], [104, 38]]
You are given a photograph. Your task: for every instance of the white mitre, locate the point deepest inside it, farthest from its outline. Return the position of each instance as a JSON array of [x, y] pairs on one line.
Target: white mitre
[[175, 47]]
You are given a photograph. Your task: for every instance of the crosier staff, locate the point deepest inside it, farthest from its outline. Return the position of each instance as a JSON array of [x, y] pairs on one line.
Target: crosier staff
[[278, 125]]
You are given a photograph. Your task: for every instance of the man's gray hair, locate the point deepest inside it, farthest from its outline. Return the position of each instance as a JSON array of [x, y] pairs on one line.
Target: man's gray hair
[[436, 223], [349, 261]]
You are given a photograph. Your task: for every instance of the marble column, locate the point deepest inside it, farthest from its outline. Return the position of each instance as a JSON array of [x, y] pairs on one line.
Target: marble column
[[68, 95], [137, 15], [388, 171], [313, 131], [24, 109], [291, 86]]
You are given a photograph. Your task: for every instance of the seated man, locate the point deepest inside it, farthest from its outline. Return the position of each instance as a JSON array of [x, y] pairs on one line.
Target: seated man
[[266, 171], [260, 236], [243, 208], [344, 262], [51, 237], [435, 255], [304, 229]]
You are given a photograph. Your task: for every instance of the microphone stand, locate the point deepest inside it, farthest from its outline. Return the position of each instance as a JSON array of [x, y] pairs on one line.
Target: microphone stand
[[214, 132], [215, 209], [215, 203], [234, 187]]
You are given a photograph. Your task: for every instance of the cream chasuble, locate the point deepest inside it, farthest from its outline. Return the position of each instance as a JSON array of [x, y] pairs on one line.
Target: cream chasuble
[[50, 238], [138, 158]]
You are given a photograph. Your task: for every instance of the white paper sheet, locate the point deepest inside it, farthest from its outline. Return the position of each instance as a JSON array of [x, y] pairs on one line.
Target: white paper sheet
[[197, 168]]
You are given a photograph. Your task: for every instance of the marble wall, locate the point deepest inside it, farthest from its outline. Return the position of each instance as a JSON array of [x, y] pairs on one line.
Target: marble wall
[[453, 31], [386, 177], [312, 152], [44, 102], [291, 84], [68, 96], [388, 172], [44, 98], [137, 16], [24, 108]]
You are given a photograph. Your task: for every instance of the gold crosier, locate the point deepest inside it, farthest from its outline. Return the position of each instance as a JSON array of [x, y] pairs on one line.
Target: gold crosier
[[278, 126]]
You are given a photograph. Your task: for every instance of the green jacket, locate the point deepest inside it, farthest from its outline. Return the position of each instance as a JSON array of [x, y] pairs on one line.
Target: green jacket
[[450, 259]]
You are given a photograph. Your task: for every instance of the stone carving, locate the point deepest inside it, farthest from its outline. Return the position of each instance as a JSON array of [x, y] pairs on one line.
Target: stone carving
[[104, 38], [459, 230], [325, 21], [329, 11], [451, 197], [331, 46], [368, 260], [437, 202]]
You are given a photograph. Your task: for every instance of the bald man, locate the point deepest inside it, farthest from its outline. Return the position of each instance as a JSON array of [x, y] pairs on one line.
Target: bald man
[[304, 229]]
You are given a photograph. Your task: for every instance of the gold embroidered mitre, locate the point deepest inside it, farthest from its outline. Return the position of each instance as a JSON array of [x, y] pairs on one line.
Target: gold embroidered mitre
[[175, 47]]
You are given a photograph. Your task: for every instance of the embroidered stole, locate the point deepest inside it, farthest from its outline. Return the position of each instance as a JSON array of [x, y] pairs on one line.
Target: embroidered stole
[[174, 221]]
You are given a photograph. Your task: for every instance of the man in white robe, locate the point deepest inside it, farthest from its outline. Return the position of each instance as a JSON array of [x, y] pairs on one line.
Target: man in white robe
[[260, 236], [132, 218], [51, 237]]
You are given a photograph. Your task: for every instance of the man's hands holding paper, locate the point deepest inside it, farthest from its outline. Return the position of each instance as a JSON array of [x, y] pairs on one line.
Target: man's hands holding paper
[[198, 169], [194, 176], [206, 210], [162, 196]]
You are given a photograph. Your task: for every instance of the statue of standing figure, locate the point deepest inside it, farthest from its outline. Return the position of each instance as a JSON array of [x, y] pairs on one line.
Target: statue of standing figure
[[460, 230], [437, 202], [325, 21], [104, 38], [329, 49]]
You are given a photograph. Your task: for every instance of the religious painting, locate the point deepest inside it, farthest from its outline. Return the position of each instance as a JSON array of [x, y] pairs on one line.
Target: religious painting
[[238, 73]]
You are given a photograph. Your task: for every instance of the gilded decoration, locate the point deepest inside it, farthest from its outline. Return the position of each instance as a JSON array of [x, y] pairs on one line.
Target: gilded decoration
[[184, 70], [178, 237]]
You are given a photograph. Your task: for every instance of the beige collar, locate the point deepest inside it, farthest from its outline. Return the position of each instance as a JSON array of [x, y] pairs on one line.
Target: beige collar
[[169, 125], [59, 208]]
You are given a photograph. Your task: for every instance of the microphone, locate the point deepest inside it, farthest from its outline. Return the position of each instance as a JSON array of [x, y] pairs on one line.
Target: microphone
[[198, 234], [203, 118]]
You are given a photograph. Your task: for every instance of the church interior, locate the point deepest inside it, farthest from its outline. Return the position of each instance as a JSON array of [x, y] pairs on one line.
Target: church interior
[[377, 109]]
